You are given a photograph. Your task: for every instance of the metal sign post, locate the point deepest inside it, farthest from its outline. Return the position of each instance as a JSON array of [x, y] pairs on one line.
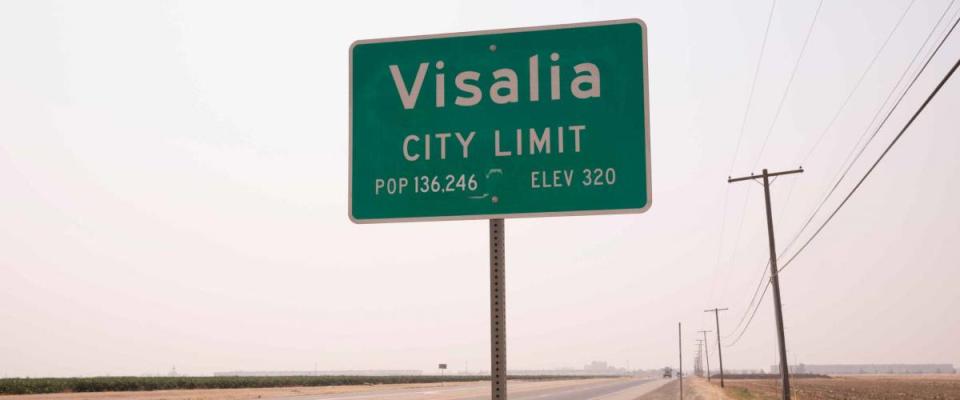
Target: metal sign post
[[498, 309], [680, 352]]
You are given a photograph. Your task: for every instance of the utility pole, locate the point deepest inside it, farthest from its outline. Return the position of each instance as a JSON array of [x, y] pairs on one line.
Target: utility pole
[[716, 315], [774, 278], [696, 370], [699, 357], [680, 345], [706, 352]]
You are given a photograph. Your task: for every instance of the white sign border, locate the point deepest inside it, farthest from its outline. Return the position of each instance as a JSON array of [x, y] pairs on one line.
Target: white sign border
[[646, 122]]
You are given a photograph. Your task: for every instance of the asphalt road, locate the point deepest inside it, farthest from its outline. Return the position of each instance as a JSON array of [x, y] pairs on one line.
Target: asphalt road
[[590, 389]]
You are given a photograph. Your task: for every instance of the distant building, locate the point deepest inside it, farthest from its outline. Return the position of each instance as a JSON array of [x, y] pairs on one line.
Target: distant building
[[851, 369], [601, 367], [569, 372], [595, 368]]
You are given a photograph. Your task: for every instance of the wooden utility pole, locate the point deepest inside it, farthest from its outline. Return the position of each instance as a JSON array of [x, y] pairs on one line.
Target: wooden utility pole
[[706, 353], [774, 279], [699, 358], [716, 315]]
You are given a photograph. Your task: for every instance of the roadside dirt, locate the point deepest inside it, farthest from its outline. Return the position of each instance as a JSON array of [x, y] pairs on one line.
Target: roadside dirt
[[693, 389], [866, 387]]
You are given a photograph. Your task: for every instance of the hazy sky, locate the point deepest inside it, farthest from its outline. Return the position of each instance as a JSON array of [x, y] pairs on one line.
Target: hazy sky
[[174, 189]]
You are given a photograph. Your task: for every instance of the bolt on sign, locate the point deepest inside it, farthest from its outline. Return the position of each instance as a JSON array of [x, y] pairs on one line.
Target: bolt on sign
[[523, 122]]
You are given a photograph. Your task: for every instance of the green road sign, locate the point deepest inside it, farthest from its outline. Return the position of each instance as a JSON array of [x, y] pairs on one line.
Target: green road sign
[[512, 123]]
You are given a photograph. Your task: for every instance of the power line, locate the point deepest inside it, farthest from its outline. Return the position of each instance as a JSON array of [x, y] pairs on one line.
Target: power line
[[860, 80], [743, 124], [793, 74], [753, 86], [877, 162], [746, 311], [849, 166], [756, 291], [736, 242], [867, 174], [786, 91], [763, 276], [882, 123], [723, 228], [757, 305], [752, 314]]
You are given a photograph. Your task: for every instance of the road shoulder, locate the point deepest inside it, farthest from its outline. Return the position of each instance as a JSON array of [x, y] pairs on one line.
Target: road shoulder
[[693, 389]]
